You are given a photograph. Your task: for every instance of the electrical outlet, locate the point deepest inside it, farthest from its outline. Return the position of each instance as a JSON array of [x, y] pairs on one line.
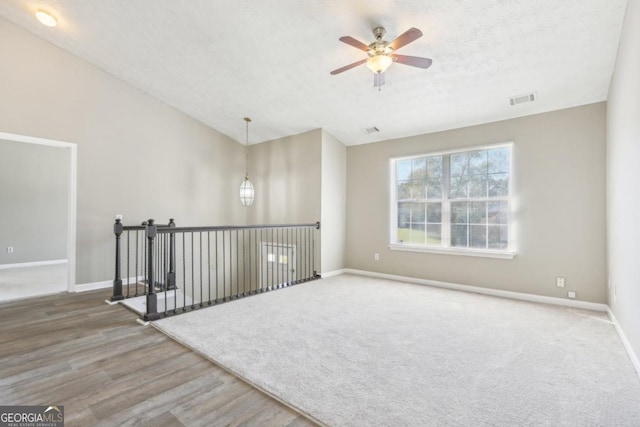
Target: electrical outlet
[[376, 256], [560, 282], [10, 249], [609, 283], [571, 294]]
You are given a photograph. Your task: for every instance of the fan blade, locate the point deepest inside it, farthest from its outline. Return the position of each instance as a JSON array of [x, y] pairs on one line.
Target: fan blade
[[407, 37], [414, 61], [378, 80], [348, 67], [353, 42]]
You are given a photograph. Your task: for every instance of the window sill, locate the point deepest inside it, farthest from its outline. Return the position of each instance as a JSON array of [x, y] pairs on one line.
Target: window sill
[[453, 251]]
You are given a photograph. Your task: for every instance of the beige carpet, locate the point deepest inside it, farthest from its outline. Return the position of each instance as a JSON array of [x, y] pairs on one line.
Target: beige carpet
[[355, 351]]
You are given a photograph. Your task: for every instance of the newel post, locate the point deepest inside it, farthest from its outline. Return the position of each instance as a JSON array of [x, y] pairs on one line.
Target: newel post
[[117, 281], [151, 230]]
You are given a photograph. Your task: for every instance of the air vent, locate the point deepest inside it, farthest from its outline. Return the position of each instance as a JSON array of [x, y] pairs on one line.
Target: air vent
[[522, 99], [371, 130]]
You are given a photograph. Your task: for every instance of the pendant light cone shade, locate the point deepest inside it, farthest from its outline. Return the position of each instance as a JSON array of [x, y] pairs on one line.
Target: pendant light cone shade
[[247, 192]]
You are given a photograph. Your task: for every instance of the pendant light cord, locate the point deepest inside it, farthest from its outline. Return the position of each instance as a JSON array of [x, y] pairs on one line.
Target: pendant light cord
[[246, 151]]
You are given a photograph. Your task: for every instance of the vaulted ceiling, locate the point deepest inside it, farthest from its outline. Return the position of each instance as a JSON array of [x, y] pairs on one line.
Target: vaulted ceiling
[[219, 61]]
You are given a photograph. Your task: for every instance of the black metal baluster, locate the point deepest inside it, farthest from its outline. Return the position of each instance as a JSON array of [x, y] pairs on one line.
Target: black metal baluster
[[217, 271], [224, 268], [200, 265], [184, 272], [209, 266], [193, 279]]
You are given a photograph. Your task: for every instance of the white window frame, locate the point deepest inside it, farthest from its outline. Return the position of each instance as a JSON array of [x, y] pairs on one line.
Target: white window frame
[[507, 253]]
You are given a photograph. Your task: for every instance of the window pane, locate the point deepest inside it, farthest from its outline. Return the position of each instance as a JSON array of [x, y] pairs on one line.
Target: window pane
[[478, 162], [458, 187], [477, 212], [459, 163], [404, 213], [434, 188], [498, 212], [434, 234], [418, 190], [478, 186], [434, 167], [478, 236], [403, 232], [498, 237], [459, 212], [459, 235], [419, 168], [499, 185], [418, 234], [404, 190], [403, 170], [499, 160], [434, 212], [417, 212]]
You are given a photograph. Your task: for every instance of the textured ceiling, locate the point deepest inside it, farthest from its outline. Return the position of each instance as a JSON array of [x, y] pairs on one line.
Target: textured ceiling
[[220, 61]]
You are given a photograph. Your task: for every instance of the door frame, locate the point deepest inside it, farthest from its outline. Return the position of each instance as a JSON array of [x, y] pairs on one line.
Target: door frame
[[72, 189]]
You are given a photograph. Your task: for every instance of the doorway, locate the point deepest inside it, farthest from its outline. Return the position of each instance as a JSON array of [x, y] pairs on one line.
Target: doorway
[[38, 226]]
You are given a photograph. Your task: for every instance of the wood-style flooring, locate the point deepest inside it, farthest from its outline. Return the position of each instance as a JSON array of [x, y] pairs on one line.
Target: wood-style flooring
[[106, 369]]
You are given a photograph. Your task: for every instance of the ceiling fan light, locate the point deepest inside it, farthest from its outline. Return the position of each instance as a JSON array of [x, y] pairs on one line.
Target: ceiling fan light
[[46, 18], [379, 63]]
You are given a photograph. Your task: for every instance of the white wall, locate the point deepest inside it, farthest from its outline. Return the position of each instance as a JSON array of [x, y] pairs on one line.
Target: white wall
[[559, 189], [623, 177], [136, 155], [334, 203]]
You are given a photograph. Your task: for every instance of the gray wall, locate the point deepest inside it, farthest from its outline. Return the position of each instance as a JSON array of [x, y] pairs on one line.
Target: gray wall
[[334, 202], [34, 183], [136, 155], [559, 189], [623, 176], [286, 174]]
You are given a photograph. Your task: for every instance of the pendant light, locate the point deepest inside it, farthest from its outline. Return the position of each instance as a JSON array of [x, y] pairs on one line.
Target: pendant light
[[246, 188]]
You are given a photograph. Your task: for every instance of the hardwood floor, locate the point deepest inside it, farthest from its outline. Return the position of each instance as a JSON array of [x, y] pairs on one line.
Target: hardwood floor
[[75, 350]]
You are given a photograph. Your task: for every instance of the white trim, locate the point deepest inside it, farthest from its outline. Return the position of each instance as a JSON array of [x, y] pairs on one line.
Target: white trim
[[452, 251], [85, 287], [33, 264], [625, 342], [485, 291], [72, 187], [332, 273]]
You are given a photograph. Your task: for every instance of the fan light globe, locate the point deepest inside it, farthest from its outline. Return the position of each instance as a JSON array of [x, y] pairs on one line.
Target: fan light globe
[[246, 192], [379, 63]]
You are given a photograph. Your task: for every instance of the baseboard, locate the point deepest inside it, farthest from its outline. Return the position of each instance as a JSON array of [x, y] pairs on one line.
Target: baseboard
[[33, 264], [485, 291], [332, 273], [85, 287], [625, 342]]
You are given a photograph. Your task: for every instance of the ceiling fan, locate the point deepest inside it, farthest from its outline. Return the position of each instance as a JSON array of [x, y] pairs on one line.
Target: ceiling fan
[[381, 53]]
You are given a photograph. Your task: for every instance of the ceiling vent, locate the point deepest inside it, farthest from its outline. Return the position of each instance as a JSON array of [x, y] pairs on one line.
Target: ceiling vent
[[522, 99], [371, 130]]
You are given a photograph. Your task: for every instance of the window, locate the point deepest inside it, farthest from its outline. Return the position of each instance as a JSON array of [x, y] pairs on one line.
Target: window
[[458, 201]]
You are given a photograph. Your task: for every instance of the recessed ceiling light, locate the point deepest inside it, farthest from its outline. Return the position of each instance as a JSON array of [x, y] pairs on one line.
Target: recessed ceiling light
[[46, 18]]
